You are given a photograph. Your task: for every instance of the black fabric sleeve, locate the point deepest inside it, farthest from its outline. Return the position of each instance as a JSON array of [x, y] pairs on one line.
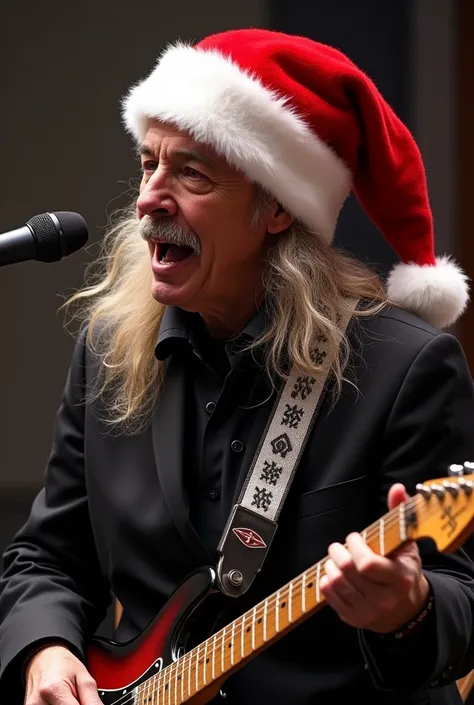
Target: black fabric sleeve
[[52, 587], [430, 427]]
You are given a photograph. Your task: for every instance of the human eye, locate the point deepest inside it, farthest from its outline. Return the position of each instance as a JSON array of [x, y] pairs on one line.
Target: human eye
[[192, 173], [148, 166]]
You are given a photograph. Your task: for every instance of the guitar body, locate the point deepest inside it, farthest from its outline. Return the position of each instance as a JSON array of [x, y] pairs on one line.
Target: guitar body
[[119, 669]]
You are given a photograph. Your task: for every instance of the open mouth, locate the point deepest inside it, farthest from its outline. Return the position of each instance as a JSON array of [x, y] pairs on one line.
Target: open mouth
[[167, 253]]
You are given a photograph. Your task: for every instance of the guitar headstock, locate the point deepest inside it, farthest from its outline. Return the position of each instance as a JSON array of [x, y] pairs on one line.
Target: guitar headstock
[[443, 509]]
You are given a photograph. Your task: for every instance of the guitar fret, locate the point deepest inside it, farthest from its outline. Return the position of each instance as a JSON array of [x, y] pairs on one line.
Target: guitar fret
[[190, 657], [265, 608], [171, 671], [197, 668], [223, 651], [242, 637], [178, 665], [176, 683], [364, 535], [253, 627], [205, 663], [159, 683], [303, 594], [290, 602], [402, 522], [232, 636], [214, 657], [382, 537], [183, 664]]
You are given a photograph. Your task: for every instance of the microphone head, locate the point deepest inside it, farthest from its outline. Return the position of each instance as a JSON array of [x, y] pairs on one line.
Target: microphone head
[[58, 234]]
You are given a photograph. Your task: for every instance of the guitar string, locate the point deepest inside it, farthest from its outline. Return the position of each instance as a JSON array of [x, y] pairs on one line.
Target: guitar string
[[390, 519]]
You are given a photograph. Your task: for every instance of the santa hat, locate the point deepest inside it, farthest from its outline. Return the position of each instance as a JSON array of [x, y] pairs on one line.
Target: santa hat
[[300, 119]]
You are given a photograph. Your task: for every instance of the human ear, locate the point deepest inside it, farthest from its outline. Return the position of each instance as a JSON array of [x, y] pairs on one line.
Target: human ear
[[278, 220]]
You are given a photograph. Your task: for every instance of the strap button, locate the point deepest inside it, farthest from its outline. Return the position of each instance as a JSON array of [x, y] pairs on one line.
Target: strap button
[[210, 406]]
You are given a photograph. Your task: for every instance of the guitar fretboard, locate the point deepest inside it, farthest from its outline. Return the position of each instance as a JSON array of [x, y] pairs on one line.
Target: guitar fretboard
[[267, 621]]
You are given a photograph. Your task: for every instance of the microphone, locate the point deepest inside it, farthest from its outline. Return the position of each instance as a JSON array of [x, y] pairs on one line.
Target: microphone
[[47, 237]]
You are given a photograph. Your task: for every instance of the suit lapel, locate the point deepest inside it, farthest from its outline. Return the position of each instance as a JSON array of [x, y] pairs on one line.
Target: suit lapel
[[168, 443]]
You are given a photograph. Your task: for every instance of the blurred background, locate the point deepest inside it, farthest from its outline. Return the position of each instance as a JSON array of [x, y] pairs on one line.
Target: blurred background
[[64, 67]]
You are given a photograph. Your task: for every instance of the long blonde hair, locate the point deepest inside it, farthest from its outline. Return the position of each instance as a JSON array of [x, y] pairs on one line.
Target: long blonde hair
[[307, 285]]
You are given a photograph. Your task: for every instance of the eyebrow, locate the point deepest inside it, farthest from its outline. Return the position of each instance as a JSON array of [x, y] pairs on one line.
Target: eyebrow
[[190, 154]]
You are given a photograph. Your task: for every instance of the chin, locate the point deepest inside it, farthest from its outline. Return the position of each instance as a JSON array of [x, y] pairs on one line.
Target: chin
[[171, 295]]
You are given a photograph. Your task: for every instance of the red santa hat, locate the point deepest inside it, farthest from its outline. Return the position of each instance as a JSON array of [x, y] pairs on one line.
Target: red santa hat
[[302, 120]]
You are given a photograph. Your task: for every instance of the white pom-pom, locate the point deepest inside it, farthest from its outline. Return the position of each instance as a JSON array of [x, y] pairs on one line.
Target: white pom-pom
[[438, 294]]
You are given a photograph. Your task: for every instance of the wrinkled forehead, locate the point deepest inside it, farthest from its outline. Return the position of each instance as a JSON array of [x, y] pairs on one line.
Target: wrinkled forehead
[[167, 137], [168, 140]]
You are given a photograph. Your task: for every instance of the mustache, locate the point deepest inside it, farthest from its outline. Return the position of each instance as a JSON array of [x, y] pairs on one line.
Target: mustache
[[169, 232]]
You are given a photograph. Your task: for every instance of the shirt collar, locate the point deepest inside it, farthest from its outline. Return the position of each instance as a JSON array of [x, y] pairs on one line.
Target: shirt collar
[[181, 328]]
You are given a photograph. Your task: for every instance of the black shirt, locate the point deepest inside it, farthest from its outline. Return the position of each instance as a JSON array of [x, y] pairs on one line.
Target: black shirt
[[227, 388], [229, 401]]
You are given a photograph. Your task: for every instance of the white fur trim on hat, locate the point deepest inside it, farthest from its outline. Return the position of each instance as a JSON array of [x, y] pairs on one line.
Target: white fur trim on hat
[[438, 294], [253, 128]]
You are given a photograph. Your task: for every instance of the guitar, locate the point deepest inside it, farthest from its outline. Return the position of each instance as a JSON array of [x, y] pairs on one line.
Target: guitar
[[157, 668]]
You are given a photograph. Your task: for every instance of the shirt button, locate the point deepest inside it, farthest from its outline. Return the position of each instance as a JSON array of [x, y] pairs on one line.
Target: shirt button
[[214, 494], [210, 406], [237, 446]]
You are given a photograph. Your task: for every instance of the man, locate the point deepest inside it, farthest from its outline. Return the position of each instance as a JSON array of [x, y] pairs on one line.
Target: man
[[220, 279]]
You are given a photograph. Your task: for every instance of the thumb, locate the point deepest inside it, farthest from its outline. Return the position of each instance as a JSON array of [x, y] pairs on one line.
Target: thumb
[[396, 495]]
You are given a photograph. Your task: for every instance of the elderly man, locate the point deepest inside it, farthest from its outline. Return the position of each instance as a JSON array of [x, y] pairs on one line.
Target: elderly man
[[218, 285]]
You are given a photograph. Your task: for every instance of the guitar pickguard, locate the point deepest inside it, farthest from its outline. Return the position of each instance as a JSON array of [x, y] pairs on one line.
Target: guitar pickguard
[[128, 695]]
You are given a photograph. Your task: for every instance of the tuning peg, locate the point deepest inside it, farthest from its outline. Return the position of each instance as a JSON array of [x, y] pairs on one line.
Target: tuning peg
[[452, 487], [468, 468], [438, 490], [456, 470], [466, 485], [423, 490]]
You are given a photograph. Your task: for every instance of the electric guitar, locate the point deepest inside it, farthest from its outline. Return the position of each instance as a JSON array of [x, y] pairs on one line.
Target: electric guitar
[[158, 668]]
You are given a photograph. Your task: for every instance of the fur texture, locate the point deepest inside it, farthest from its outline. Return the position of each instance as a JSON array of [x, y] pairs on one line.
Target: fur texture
[[255, 129], [438, 294]]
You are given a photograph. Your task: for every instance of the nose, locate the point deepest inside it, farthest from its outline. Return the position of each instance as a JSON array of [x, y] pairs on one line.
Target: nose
[[155, 198]]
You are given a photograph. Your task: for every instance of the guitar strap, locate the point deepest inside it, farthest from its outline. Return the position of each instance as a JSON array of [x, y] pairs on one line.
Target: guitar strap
[[252, 524]]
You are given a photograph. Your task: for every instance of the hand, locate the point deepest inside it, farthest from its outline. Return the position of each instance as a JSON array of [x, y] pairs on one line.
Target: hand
[[54, 676], [369, 591]]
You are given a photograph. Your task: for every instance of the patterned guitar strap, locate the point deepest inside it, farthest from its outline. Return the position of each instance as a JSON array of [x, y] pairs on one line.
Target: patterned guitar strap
[[252, 524]]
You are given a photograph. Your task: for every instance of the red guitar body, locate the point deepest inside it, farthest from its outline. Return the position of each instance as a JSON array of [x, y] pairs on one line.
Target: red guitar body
[[119, 669]]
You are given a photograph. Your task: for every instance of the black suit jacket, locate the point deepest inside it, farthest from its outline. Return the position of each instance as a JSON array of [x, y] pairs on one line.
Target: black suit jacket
[[113, 515]]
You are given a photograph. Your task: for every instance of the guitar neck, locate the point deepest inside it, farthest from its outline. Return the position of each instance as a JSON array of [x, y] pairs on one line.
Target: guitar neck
[[235, 644]]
